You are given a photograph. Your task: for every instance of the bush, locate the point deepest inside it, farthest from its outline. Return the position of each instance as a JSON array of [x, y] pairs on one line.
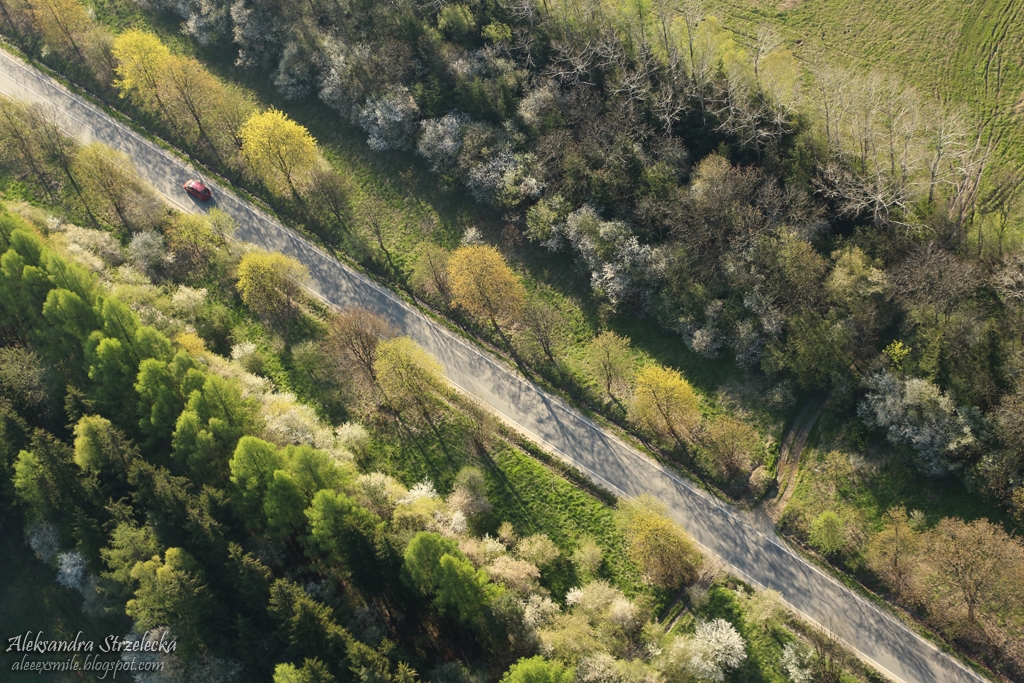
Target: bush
[[828, 533]]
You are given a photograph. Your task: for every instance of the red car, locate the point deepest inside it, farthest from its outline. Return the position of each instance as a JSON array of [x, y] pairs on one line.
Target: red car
[[197, 190]]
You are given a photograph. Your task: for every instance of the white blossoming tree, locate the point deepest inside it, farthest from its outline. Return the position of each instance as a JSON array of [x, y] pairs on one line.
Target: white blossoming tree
[[714, 648], [389, 119], [915, 412], [441, 141]]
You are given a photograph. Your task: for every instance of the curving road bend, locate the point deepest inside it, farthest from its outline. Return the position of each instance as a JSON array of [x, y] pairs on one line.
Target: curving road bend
[[754, 553]]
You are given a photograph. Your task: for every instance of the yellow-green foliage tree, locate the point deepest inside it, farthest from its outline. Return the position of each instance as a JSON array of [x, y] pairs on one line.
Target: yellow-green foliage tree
[[62, 25], [113, 190], [172, 592], [193, 96], [484, 286], [664, 404], [280, 153], [662, 550], [201, 111], [141, 59], [610, 362], [407, 375], [268, 282], [189, 235], [731, 448]]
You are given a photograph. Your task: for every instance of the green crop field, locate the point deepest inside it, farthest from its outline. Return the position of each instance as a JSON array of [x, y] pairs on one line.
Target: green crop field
[[967, 54]]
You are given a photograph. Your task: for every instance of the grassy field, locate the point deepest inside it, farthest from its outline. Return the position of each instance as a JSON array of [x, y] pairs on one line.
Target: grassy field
[[968, 54]]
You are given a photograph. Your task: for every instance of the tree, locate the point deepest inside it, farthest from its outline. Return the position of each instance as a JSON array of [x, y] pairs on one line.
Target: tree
[[102, 450], [538, 670], [343, 531], [891, 551], [283, 504], [281, 153], [662, 550], [407, 375], [389, 119], [915, 412], [268, 282], [192, 95], [546, 326], [190, 235], [173, 592], [62, 23], [441, 141], [537, 549], [830, 656], [484, 286], [128, 545], [817, 349], [112, 189], [353, 338], [665, 404], [456, 21], [44, 479], [18, 143], [716, 647], [609, 361], [329, 198], [587, 558], [430, 271], [312, 671], [23, 378], [732, 448], [798, 662], [222, 225], [58, 148], [207, 431], [762, 609], [423, 556], [973, 566], [252, 468], [828, 533], [462, 590], [160, 396], [141, 58], [306, 626], [435, 566]]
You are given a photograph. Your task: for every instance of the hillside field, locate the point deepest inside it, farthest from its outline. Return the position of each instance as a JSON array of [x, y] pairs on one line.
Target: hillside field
[[966, 53]]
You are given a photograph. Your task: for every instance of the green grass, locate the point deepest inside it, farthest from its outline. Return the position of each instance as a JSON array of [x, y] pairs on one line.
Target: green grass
[[966, 53], [764, 647], [32, 600], [534, 498], [863, 485]]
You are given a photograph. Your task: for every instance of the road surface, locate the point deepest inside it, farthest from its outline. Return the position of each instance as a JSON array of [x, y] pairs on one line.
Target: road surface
[[753, 553]]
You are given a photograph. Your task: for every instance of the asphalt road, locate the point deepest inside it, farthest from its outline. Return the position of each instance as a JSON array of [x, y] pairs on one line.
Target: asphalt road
[[751, 551]]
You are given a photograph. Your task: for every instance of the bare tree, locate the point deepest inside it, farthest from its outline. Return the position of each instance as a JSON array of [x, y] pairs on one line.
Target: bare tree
[[544, 324], [1001, 201], [692, 13], [948, 132], [767, 41], [831, 656], [353, 339]]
